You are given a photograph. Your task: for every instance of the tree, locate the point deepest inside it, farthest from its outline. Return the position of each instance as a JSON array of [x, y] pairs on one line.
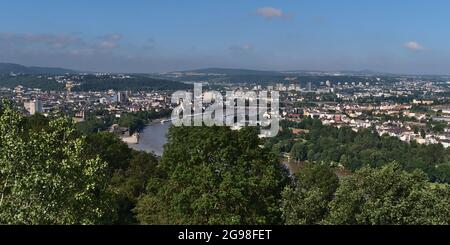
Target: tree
[[92, 125], [307, 201], [353, 150], [390, 196], [423, 134], [213, 175], [299, 152], [45, 177], [129, 171], [111, 149], [131, 121], [37, 122], [131, 183]]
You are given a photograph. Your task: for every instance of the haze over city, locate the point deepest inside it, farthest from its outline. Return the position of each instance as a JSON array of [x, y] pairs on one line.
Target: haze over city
[[159, 36]]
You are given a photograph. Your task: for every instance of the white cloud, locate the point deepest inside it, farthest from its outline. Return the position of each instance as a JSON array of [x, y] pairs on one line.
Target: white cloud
[[414, 46], [270, 12], [110, 41], [242, 48], [247, 46], [112, 37], [55, 41], [107, 45]]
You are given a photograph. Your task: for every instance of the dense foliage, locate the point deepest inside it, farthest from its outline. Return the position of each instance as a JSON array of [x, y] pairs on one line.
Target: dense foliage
[[66, 177], [30, 81], [354, 150], [128, 172], [46, 178], [95, 83], [135, 121], [306, 201], [385, 196], [53, 173], [213, 175], [91, 83]]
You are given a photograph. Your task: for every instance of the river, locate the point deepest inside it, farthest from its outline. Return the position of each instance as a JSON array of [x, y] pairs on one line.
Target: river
[[153, 138]]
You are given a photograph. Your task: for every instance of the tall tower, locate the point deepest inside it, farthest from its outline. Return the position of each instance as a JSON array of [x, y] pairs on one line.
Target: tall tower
[[34, 106], [69, 86]]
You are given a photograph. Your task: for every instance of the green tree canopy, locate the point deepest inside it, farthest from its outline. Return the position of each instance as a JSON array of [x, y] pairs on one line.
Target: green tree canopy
[[390, 196], [131, 183], [213, 175], [299, 152], [306, 202], [45, 177]]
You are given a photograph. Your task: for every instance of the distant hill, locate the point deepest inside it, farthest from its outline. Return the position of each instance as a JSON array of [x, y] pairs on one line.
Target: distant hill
[[335, 73], [232, 72], [136, 83], [6, 68], [93, 83], [247, 72]]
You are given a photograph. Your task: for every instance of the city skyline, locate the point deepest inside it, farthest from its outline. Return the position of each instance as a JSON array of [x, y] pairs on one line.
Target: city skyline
[[396, 37]]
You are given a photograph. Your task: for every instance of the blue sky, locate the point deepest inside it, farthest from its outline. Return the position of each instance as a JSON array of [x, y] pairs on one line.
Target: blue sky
[[407, 36]]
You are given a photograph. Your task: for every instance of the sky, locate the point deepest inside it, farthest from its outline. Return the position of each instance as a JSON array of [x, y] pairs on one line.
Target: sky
[[401, 36]]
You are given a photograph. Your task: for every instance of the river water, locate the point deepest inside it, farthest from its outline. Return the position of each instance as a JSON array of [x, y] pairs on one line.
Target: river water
[[153, 138]]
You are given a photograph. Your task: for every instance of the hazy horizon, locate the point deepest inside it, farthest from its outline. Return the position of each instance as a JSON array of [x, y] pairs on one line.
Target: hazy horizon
[[401, 37]]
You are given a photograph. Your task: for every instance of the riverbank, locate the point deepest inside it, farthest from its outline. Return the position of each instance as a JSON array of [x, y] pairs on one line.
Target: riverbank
[[153, 137]]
